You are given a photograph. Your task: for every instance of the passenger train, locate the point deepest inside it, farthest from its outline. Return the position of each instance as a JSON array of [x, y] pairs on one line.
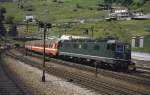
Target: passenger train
[[107, 53]]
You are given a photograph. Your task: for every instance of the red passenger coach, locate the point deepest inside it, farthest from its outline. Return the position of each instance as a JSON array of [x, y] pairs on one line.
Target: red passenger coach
[[51, 47]]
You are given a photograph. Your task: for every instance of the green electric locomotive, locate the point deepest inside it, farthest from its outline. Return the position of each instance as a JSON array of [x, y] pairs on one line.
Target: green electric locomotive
[[106, 53]]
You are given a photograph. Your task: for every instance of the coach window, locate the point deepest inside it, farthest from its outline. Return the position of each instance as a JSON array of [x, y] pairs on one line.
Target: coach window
[[55, 45], [49, 45], [52, 45]]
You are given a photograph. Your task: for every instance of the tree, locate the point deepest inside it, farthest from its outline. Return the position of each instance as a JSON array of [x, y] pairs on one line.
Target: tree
[[13, 30], [2, 18], [12, 26], [2, 29], [2, 12], [127, 2], [10, 20]]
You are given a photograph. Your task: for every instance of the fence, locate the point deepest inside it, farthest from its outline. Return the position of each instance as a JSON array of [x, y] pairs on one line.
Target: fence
[[140, 41]]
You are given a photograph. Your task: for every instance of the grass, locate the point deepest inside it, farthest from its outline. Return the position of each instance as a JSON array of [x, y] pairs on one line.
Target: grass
[[70, 10], [121, 29], [146, 50], [47, 10]]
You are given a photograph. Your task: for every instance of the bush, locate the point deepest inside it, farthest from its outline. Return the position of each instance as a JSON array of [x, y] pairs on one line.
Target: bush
[[54, 0], [78, 6], [75, 10], [90, 8]]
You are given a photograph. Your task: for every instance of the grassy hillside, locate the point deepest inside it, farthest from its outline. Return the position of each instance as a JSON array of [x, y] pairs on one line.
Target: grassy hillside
[[48, 10], [69, 10], [62, 9]]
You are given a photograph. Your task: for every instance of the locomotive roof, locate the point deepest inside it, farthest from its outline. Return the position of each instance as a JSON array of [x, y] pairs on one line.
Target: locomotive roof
[[91, 40], [112, 41]]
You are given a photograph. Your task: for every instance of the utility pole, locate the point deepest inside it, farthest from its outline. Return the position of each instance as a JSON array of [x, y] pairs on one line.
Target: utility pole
[[27, 26], [92, 29]]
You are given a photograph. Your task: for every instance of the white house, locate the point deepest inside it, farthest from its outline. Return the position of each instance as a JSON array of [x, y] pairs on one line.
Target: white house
[[30, 18], [120, 13]]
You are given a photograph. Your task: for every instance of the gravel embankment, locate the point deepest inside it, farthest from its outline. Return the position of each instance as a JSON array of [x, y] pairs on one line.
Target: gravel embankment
[[110, 80], [31, 77]]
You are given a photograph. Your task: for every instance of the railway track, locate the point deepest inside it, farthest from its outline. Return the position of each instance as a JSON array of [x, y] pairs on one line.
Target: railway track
[[8, 84], [137, 77], [142, 72], [85, 80], [144, 68]]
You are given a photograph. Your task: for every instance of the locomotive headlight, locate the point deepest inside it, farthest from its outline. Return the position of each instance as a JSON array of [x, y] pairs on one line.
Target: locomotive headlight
[[134, 62]]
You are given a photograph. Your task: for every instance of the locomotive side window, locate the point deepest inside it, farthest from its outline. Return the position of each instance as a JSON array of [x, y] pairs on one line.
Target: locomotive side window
[[85, 46], [66, 45], [75, 45], [96, 47], [80, 46]]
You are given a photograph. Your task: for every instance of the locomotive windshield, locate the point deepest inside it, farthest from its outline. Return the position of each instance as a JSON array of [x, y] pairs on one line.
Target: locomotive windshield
[[119, 53], [120, 48]]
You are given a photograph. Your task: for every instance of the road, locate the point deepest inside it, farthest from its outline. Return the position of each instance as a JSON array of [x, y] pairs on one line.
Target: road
[[140, 56]]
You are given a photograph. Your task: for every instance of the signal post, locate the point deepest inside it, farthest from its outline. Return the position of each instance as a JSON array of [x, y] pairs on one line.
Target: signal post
[[46, 26]]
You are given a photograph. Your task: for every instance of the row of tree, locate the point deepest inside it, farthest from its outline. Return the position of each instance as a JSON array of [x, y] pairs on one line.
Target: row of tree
[[7, 21], [126, 2]]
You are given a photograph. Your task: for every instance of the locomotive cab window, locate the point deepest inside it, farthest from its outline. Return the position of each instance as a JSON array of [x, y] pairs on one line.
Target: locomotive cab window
[[120, 48], [60, 45], [111, 47], [127, 47]]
